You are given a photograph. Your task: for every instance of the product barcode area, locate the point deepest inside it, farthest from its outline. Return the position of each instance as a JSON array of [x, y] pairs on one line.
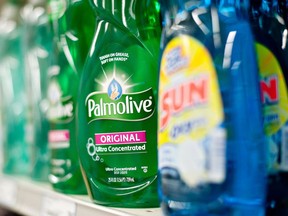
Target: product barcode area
[[121, 179]]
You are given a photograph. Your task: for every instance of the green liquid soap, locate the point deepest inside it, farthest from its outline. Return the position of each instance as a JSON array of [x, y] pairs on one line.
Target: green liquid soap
[[117, 107], [70, 50]]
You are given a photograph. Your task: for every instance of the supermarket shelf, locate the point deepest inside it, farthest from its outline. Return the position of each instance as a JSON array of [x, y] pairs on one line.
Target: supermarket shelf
[[30, 198]]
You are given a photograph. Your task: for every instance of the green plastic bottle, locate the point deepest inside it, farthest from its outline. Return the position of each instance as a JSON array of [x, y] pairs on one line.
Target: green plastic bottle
[[79, 31], [117, 108], [70, 50], [14, 107], [37, 48]]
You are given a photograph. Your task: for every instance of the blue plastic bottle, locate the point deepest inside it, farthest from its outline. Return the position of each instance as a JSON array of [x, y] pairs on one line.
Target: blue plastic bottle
[[211, 140], [271, 44], [246, 153]]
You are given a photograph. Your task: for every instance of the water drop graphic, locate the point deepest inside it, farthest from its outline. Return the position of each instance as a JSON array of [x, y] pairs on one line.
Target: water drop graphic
[[114, 90]]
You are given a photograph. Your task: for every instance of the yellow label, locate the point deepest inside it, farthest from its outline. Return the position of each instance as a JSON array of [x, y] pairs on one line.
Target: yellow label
[[190, 113], [189, 91], [273, 90], [275, 105]]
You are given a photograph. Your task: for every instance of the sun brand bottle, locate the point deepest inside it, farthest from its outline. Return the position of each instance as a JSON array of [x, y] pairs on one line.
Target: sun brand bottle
[[211, 140], [71, 48], [118, 105], [271, 43], [16, 149], [37, 48]]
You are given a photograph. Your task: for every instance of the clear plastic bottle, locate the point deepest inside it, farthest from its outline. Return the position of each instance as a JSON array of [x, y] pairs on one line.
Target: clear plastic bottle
[[211, 140], [37, 46], [118, 105], [13, 97]]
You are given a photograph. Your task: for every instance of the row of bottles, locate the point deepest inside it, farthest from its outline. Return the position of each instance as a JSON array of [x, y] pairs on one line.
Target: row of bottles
[[99, 97], [35, 53]]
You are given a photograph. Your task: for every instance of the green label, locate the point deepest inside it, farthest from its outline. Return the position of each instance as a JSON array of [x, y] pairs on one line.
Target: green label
[[127, 107], [118, 118], [61, 108]]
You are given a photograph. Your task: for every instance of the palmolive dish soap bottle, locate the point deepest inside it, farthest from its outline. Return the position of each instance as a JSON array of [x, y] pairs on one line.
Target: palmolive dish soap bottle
[[71, 46], [270, 30], [211, 139], [117, 108]]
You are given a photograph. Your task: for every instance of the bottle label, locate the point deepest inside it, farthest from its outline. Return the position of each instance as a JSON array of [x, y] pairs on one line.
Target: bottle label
[[114, 104], [61, 116], [61, 109], [191, 139], [121, 117], [59, 139], [275, 107], [117, 143]]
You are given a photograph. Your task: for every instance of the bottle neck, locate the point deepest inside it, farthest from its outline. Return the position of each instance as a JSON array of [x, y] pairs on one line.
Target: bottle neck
[[180, 5], [255, 9], [132, 14], [120, 9], [227, 3], [269, 7], [227, 7], [237, 4], [283, 10], [17, 2], [239, 7], [38, 3], [172, 8]]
